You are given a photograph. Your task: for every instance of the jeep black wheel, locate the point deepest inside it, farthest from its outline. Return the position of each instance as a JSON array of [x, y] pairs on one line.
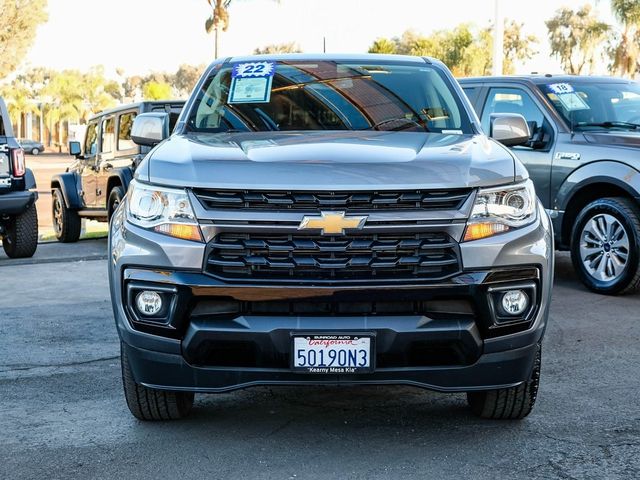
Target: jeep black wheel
[[605, 246], [21, 237], [115, 197], [66, 223], [512, 403], [151, 404]]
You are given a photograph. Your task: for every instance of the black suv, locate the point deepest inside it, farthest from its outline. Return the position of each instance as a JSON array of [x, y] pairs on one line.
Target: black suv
[[18, 216], [584, 159], [93, 186]]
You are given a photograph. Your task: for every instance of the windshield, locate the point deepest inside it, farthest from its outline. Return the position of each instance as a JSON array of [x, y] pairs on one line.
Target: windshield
[[327, 95], [596, 106]]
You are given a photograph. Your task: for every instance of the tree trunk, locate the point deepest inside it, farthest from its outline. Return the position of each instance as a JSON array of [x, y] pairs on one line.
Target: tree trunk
[[215, 39]]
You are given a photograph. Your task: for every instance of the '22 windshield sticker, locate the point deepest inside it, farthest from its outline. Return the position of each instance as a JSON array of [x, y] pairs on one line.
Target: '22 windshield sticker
[[253, 70]]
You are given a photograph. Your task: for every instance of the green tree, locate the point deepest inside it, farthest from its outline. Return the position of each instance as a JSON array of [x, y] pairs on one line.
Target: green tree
[[518, 47], [290, 47], [626, 53], [154, 90], [19, 101], [186, 77], [19, 20], [383, 45], [577, 38]]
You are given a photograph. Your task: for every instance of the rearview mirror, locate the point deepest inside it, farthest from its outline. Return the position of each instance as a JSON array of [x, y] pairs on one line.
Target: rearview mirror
[[150, 129], [75, 149], [510, 129]]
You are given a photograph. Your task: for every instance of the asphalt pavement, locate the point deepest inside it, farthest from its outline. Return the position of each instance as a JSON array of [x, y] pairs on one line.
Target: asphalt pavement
[[63, 415]]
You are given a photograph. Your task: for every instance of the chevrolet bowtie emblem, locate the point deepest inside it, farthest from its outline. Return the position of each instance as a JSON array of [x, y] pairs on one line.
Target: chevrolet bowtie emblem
[[332, 223]]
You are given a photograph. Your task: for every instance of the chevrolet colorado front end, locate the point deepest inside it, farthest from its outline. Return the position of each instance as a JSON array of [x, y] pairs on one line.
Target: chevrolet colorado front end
[[330, 220]]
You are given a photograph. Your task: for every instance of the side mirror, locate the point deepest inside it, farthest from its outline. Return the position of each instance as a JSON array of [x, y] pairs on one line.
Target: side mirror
[[75, 149], [510, 129], [149, 129]]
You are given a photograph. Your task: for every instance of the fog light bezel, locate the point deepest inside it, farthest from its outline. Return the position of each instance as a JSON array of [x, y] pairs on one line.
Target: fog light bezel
[[169, 296], [501, 318]]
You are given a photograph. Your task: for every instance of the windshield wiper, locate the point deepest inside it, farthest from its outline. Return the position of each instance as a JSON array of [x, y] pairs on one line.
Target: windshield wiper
[[607, 124], [407, 123]]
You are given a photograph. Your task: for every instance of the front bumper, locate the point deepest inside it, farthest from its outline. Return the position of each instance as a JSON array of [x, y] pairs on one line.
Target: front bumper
[[449, 349]]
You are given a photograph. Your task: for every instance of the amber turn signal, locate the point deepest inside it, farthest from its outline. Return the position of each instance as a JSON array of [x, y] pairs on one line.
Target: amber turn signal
[[476, 231], [185, 231]]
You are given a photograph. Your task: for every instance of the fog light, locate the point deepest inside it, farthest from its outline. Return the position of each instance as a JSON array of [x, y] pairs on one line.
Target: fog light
[[149, 303], [515, 302]]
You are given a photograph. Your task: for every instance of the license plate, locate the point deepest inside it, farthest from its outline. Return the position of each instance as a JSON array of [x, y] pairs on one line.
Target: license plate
[[332, 353]]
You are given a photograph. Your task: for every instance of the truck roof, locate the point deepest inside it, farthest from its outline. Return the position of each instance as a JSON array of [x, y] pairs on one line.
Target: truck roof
[[130, 106], [543, 79], [333, 56]]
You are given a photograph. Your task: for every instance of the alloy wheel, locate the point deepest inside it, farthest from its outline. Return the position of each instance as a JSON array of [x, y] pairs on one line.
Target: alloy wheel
[[604, 247]]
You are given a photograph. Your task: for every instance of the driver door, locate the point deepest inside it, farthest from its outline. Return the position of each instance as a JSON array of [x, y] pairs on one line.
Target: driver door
[[88, 166]]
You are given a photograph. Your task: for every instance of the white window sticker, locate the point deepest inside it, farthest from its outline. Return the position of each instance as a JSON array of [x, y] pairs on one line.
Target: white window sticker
[[251, 82], [572, 102], [250, 90]]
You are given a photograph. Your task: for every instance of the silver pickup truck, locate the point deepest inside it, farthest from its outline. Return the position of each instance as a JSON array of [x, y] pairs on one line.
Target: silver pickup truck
[[330, 220]]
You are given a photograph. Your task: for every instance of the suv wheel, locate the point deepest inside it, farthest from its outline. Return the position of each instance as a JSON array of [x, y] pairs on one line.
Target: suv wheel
[[66, 223], [605, 245], [512, 403], [21, 237], [151, 404], [115, 197]]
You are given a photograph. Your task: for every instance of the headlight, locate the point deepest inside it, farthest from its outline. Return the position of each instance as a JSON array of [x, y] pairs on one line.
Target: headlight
[[501, 209], [163, 210]]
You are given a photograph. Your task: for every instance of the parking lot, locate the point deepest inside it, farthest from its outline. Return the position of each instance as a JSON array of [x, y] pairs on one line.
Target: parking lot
[[64, 415]]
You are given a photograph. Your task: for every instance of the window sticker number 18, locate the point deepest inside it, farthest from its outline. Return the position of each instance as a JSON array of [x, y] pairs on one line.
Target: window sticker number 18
[[561, 88]]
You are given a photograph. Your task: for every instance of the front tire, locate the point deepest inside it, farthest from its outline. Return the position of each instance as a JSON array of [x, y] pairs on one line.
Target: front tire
[[513, 403], [150, 404], [66, 223], [21, 238], [115, 197], [35, 151], [605, 246]]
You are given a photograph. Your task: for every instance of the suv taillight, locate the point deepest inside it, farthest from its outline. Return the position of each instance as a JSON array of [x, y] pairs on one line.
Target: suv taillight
[[17, 158]]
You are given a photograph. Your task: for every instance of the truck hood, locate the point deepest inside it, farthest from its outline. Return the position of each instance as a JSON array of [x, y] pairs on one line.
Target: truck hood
[[614, 139], [328, 161]]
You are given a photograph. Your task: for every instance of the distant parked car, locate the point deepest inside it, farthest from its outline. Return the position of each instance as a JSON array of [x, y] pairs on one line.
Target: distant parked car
[[18, 195], [31, 146], [93, 186], [584, 159]]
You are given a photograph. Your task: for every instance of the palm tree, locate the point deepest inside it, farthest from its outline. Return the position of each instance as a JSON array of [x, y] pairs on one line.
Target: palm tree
[[627, 52], [219, 20], [20, 102]]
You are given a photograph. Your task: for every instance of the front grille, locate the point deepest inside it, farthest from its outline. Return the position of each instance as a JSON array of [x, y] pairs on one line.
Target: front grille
[[216, 308], [344, 201], [412, 256]]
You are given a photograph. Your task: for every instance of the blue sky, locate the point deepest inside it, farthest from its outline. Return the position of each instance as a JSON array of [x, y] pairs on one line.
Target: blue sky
[[144, 35]]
